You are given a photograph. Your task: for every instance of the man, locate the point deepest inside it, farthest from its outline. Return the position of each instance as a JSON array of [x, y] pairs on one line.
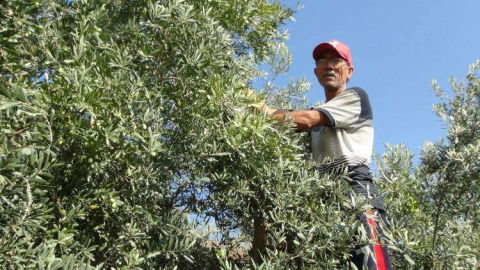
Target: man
[[342, 139]]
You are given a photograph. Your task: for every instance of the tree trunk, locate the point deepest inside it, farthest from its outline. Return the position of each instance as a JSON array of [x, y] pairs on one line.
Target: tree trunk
[[259, 242]]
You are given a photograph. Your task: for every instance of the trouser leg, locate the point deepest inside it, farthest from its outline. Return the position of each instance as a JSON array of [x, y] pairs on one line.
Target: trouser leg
[[374, 256]]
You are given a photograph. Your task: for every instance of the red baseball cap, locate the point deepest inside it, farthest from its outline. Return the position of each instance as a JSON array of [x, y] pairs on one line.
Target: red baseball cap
[[335, 45]]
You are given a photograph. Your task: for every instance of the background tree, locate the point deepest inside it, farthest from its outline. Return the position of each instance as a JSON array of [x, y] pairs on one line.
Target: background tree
[[435, 206]]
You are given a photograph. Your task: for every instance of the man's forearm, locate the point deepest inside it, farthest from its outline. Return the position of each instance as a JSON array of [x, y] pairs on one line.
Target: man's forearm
[[303, 119]]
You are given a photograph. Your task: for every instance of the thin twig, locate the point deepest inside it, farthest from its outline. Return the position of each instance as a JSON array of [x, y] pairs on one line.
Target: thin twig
[[29, 201]]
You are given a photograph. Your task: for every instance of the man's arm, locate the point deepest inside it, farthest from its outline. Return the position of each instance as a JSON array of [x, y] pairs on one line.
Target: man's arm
[[303, 119]]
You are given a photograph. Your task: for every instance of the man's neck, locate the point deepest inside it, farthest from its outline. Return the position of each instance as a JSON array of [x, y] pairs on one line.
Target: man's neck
[[331, 93]]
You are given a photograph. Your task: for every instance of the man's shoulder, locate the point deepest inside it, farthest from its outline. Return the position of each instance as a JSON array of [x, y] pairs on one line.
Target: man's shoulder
[[358, 90], [353, 92], [366, 108]]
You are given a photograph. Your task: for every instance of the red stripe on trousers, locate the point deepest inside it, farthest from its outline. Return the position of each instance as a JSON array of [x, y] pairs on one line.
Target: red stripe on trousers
[[379, 258]]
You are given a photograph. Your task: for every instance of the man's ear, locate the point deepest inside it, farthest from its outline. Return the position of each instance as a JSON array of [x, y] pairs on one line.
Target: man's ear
[[350, 72]]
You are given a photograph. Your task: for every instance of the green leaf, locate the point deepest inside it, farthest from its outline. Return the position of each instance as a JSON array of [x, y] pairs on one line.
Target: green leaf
[[27, 151], [8, 105]]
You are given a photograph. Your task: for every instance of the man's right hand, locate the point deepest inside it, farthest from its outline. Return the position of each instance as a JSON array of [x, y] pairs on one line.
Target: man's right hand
[[261, 106]]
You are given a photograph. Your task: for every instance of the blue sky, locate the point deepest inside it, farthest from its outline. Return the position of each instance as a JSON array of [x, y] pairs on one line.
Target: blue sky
[[398, 47]]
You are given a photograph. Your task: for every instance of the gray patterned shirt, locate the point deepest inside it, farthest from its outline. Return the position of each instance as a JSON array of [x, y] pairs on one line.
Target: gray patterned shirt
[[348, 141]]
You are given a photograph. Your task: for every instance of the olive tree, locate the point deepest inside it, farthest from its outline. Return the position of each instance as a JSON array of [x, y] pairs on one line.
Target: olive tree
[[125, 128], [435, 206]]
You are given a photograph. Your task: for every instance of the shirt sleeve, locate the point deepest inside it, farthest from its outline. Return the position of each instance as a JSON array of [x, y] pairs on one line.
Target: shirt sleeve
[[343, 110]]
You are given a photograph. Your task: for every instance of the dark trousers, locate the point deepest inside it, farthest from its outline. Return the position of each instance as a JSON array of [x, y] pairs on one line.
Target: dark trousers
[[374, 256]]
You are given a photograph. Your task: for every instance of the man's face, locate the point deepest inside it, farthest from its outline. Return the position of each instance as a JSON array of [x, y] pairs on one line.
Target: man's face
[[333, 76]]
